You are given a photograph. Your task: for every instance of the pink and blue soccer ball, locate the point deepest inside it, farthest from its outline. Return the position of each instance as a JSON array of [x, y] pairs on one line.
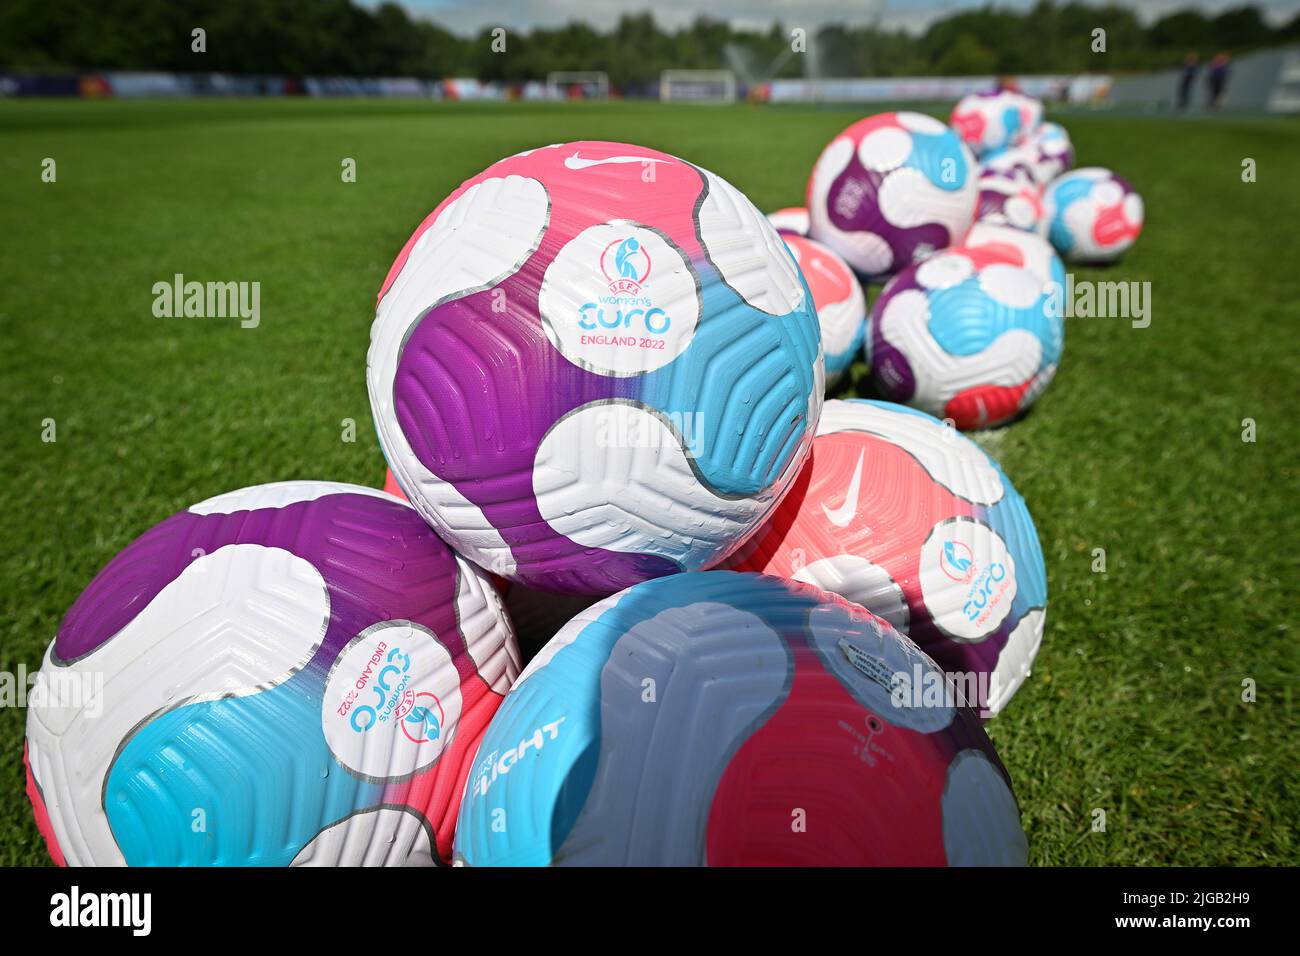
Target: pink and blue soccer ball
[[897, 512], [293, 673], [967, 336], [1009, 200], [1049, 152], [681, 722], [593, 364], [1093, 215], [890, 190], [991, 121]]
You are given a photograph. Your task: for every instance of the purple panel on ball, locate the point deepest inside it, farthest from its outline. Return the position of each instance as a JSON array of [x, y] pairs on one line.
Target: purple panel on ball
[[374, 554], [866, 216], [463, 423]]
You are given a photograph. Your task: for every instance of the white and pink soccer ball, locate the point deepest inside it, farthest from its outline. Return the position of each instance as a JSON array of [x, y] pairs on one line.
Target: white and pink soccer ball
[[841, 304], [1009, 200], [966, 335], [592, 364], [890, 190], [992, 121], [1093, 215], [898, 513]]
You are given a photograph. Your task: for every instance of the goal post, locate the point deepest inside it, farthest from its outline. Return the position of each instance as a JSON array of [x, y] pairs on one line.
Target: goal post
[[577, 85], [697, 86]]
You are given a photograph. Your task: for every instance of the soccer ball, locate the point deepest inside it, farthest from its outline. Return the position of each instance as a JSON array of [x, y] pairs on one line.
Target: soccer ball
[[1008, 200], [1049, 151], [1093, 215], [792, 221], [1014, 162], [991, 121], [907, 517], [592, 364], [1020, 248], [683, 721], [841, 304], [890, 190], [294, 673], [967, 336]]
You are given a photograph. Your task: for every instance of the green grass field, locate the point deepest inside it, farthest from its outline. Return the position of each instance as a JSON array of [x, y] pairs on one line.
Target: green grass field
[[1135, 704]]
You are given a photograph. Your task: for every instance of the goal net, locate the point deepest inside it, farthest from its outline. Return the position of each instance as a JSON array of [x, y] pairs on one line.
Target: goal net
[[577, 85], [697, 86]]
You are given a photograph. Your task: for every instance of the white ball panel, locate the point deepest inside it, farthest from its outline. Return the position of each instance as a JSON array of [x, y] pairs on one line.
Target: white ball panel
[[615, 476], [884, 148], [746, 250], [1016, 658], [383, 836], [853, 577]]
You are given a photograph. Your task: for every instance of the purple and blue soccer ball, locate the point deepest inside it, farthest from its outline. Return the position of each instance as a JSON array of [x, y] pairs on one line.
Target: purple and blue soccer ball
[[971, 335], [890, 190], [1092, 214], [594, 364], [294, 673]]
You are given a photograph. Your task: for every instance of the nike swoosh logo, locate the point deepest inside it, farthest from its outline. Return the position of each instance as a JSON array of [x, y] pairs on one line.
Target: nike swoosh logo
[[841, 516], [577, 162]]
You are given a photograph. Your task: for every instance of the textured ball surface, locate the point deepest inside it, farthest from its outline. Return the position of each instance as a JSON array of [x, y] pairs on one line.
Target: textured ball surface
[[793, 220], [592, 364], [840, 301], [890, 190], [966, 335], [1092, 214], [1018, 247], [897, 512], [732, 719], [1008, 200], [991, 121], [291, 673]]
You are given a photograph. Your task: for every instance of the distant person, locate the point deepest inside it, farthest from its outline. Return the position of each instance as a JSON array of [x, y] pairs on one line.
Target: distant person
[[1218, 79], [1191, 64]]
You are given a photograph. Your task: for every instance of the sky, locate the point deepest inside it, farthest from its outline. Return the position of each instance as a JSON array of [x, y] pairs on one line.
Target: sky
[[469, 16]]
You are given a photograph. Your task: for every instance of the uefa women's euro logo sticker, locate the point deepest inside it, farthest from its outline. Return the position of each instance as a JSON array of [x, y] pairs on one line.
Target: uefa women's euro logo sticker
[[391, 701], [968, 578], [421, 716], [957, 561], [626, 266], [620, 299]]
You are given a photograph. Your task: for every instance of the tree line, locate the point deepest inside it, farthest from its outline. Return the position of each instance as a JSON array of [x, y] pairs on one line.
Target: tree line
[[338, 37]]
